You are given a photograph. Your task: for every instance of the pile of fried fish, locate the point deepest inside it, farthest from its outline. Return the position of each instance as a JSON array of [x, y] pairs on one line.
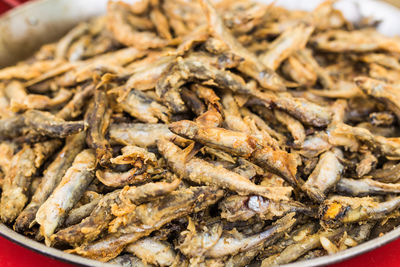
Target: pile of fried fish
[[192, 133]]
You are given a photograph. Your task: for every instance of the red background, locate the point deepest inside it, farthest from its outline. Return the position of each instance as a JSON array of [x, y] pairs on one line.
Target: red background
[[12, 255]]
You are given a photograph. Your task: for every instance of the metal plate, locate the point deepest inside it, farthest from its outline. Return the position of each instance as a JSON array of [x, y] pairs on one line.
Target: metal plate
[[26, 28]]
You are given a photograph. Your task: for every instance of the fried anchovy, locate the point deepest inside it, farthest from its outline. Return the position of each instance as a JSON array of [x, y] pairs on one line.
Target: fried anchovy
[[153, 251], [150, 216], [147, 192], [161, 210], [128, 260], [130, 154], [242, 144], [75, 106], [78, 214], [305, 111], [212, 117], [5, 111], [64, 43], [367, 163], [91, 227], [207, 94], [44, 123], [16, 93], [269, 137], [230, 245], [362, 232], [251, 65], [364, 187], [6, 154], [51, 177], [325, 175], [243, 259], [338, 210], [363, 40], [195, 243], [298, 234], [234, 142], [54, 210], [200, 171], [300, 72], [295, 127], [29, 71], [296, 250], [33, 101], [142, 107], [190, 69], [145, 75], [390, 147], [294, 38], [15, 187], [233, 118], [120, 179], [278, 161], [98, 120], [17, 182], [44, 150], [242, 208], [140, 134], [125, 33], [192, 101], [390, 174], [10, 127], [323, 74], [247, 169], [382, 91]]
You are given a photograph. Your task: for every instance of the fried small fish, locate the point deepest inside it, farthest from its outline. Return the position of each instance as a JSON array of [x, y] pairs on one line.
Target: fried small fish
[[200, 171], [339, 210], [17, 182], [140, 134], [325, 175], [98, 120], [52, 213], [51, 178]]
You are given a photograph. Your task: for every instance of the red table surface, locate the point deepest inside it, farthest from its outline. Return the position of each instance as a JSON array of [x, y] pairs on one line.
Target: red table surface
[[12, 255]]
